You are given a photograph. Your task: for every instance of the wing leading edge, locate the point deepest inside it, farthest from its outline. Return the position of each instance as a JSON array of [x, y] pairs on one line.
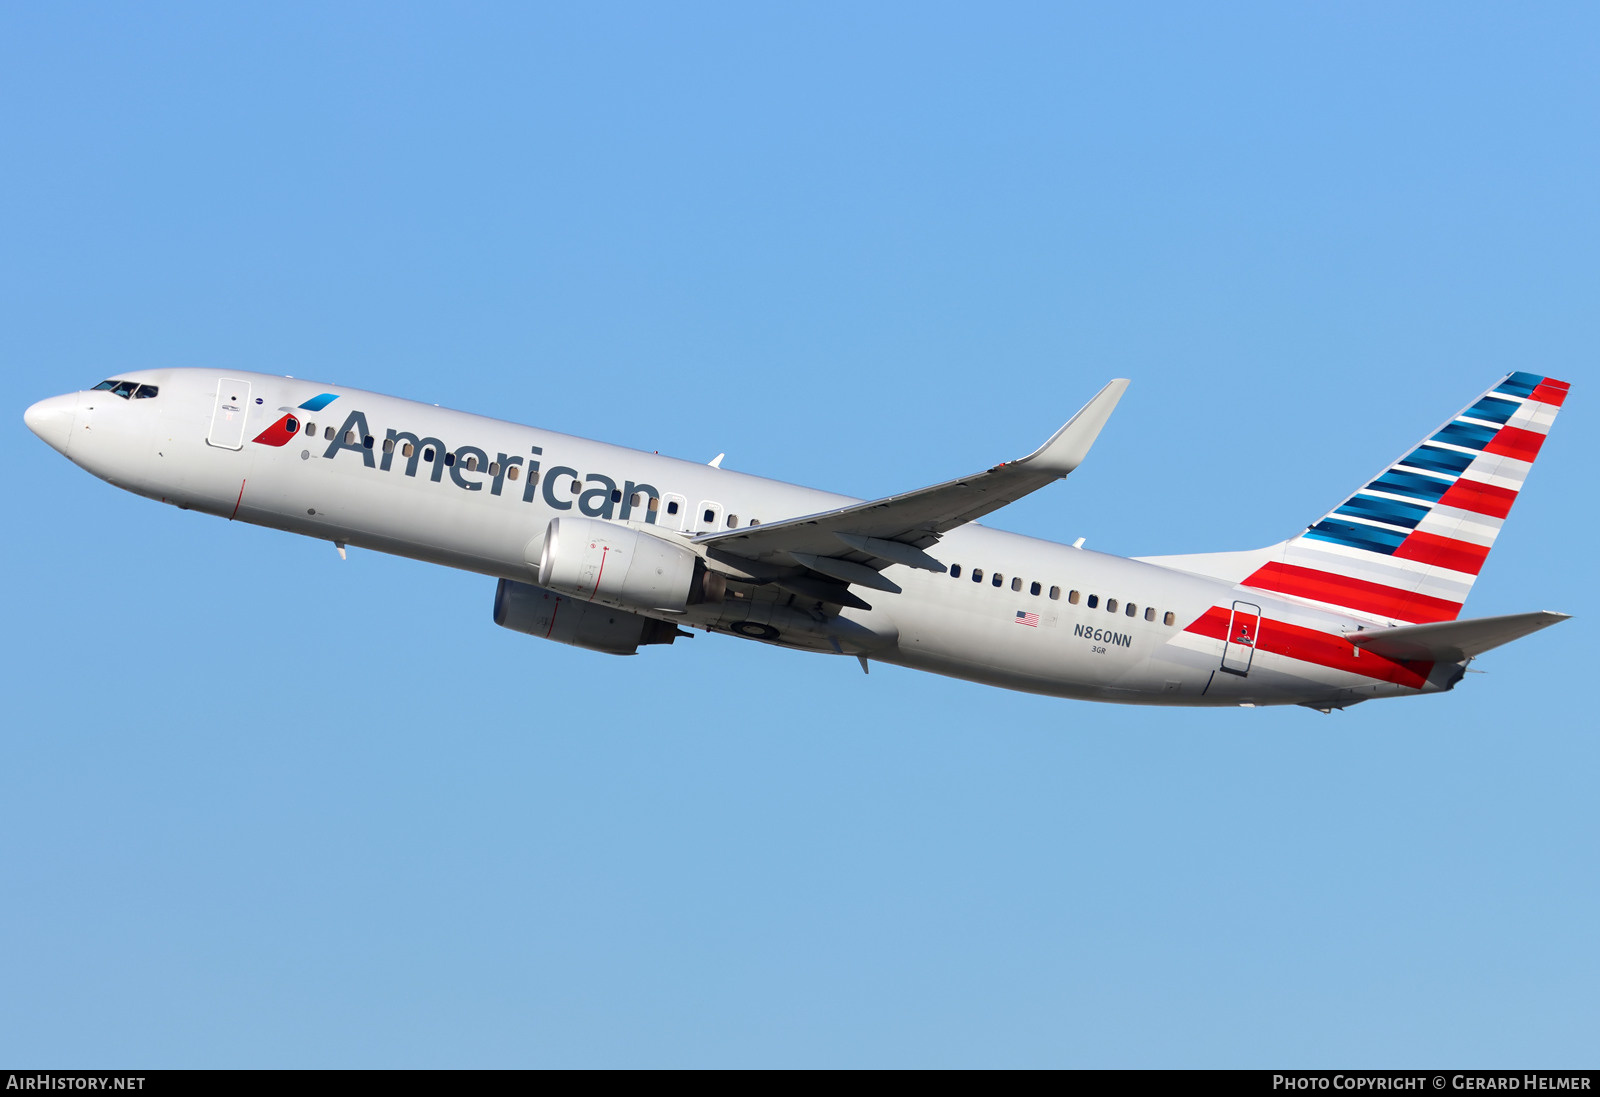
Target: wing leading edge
[[851, 544]]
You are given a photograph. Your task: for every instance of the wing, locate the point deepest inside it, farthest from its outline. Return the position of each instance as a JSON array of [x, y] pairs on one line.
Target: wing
[[851, 545]]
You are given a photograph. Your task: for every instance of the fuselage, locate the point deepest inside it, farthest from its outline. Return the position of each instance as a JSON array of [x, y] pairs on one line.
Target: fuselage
[[378, 472]]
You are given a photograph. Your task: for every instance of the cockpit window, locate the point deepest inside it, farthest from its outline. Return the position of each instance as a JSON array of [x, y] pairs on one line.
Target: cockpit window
[[128, 390]]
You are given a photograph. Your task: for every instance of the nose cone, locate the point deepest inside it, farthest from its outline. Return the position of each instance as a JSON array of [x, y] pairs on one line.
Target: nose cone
[[52, 420]]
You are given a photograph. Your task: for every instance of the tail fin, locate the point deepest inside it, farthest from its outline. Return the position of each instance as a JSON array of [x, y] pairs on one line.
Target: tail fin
[[1406, 547]]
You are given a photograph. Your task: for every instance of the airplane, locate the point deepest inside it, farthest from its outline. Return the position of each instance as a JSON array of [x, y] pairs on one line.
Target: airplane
[[615, 549]]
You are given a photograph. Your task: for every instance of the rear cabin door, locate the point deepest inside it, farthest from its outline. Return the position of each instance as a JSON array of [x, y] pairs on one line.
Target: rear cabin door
[[1244, 631], [228, 417]]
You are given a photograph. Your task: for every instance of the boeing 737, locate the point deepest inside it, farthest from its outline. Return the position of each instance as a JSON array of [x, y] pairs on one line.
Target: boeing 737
[[614, 549]]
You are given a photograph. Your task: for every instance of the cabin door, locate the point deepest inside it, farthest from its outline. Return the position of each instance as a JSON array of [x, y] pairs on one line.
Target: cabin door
[[1244, 631], [229, 414]]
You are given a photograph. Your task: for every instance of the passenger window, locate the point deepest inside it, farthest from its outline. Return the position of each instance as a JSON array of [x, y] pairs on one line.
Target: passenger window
[[755, 521], [311, 430], [1132, 610], [494, 468], [511, 473], [291, 424], [1074, 597], [1111, 605], [1016, 584], [349, 437], [1169, 619], [1094, 601], [635, 499], [977, 575], [616, 495], [1033, 588], [1149, 613], [996, 580], [672, 507], [471, 463], [427, 454], [366, 443], [388, 445], [709, 516], [408, 449], [733, 520], [577, 487], [655, 506], [1055, 594], [449, 460], [955, 571], [327, 433]]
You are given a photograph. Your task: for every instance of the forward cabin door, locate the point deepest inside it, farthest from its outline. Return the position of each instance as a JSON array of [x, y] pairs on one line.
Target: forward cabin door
[[227, 418], [1244, 632]]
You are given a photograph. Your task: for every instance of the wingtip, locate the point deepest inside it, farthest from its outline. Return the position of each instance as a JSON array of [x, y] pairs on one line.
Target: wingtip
[[1068, 446]]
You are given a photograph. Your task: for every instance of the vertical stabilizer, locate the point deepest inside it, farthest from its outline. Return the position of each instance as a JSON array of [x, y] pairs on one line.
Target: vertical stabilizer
[[1405, 548]]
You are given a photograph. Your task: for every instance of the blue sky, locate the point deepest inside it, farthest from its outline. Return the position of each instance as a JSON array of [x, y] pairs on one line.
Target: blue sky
[[267, 808]]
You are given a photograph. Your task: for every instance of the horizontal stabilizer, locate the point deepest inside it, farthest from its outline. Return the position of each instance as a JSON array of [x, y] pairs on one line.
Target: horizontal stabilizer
[[1452, 641]]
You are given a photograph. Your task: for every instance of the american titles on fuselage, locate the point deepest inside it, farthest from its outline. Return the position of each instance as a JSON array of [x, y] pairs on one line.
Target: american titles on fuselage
[[602, 498]]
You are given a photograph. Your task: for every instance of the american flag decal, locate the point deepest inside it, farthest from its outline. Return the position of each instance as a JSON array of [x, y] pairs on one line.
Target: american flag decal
[[1026, 618]]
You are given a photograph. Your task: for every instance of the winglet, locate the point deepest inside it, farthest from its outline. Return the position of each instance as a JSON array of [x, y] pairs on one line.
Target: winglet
[[1068, 446]]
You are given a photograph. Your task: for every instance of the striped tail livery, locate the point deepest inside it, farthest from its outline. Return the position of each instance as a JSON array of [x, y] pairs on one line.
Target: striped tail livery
[[1406, 547]]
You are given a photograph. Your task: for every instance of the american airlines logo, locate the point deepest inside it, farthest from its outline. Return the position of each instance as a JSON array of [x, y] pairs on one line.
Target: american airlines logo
[[287, 427], [595, 494]]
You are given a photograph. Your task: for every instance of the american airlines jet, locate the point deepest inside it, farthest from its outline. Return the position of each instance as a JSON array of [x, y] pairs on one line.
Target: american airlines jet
[[614, 549]]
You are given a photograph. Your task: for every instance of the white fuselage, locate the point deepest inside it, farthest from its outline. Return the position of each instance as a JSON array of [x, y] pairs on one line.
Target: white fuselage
[[1017, 615]]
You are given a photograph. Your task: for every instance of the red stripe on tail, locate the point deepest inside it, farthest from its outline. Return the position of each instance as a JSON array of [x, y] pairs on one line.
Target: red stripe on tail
[[1360, 595], [1550, 392], [1515, 442], [1444, 552], [1479, 498]]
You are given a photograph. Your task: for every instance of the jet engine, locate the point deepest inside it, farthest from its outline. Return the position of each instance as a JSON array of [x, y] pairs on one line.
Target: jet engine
[[523, 607], [617, 566]]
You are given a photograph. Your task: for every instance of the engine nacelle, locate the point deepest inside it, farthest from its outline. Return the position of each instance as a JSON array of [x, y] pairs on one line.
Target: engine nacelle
[[616, 566], [523, 607]]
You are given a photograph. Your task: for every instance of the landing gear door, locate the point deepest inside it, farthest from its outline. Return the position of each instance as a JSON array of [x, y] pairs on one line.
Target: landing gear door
[[1244, 633], [227, 418]]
